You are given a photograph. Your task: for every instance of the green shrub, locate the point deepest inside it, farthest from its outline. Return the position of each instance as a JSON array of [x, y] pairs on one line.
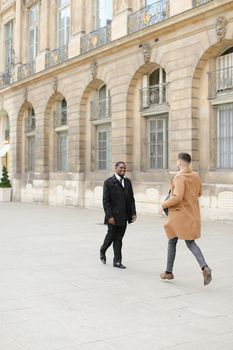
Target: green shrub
[[5, 181]]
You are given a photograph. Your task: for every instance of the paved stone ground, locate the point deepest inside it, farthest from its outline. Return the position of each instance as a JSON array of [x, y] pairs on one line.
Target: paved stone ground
[[56, 294]]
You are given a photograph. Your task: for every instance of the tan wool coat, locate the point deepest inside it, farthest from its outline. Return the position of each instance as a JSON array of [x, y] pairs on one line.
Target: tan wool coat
[[184, 211]]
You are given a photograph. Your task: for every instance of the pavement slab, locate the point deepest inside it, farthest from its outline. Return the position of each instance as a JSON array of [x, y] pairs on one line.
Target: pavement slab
[[56, 294]]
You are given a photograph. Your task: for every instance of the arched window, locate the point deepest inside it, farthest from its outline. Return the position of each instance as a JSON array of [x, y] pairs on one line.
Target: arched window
[[101, 119], [154, 89], [221, 81], [30, 127], [224, 71], [61, 135], [154, 108]]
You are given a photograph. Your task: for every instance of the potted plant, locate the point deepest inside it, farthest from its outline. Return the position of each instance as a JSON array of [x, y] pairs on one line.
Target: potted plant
[[5, 186]]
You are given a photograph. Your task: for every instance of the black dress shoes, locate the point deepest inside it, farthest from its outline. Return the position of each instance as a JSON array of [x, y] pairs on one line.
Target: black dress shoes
[[103, 258], [119, 265]]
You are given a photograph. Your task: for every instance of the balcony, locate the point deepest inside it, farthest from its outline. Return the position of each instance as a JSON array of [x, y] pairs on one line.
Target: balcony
[[56, 56], [149, 15], [5, 3], [153, 96], [26, 70], [100, 109], [95, 39], [200, 2], [220, 83], [5, 79], [30, 123], [60, 118]]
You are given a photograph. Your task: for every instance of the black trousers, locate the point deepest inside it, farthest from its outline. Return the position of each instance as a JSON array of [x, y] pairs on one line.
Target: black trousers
[[114, 235]]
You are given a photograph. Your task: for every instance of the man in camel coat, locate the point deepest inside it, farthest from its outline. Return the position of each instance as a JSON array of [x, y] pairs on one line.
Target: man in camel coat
[[184, 216]]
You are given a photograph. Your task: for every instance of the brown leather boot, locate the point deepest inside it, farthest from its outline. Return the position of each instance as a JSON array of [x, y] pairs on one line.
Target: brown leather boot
[[207, 275], [167, 276]]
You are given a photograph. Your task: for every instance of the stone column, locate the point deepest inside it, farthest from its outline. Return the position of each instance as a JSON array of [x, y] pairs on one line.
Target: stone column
[[44, 25], [180, 6], [17, 38], [1, 46], [122, 126], [40, 181], [78, 24], [17, 32], [44, 37], [121, 10]]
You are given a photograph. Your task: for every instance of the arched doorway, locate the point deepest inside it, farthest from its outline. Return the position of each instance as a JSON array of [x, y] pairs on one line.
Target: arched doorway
[[148, 116], [96, 124], [95, 141], [212, 107], [56, 135], [26, 141]]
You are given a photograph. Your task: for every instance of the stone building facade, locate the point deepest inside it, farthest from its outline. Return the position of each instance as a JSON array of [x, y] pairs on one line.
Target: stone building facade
[[86, 83]]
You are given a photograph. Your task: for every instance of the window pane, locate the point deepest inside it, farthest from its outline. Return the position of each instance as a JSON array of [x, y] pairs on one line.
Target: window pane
[[64, 26], [158, 156], [102, 92], [154, 77], [32, 43], [9, 30], [31, 153], [33, 17], [225, 137], [61, 37], [63, 2], [62, 157], [8, 45], [149, 2], [103, 148], [104, 13]]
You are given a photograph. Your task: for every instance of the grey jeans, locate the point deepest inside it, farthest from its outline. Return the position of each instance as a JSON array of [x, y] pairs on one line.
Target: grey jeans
[[171, 253]]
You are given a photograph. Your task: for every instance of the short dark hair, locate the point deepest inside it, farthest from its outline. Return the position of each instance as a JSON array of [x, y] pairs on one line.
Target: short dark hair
[[118, 163], [185, 156]]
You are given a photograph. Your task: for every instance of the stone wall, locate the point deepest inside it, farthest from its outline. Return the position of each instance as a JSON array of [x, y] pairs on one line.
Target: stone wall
[[185, 49]]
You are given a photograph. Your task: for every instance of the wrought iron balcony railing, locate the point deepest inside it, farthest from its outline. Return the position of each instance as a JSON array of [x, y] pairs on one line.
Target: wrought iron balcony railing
[[154, 95], [60, 118], [200, 2], [5, 2], [220, 82], [149, 15], [100, 109], [30, 123], [98, 37], [2, 81], [56, 56], [26, 70], [5, 79]]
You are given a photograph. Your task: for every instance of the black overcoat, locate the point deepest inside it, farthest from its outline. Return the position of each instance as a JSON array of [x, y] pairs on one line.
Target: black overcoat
[[118, 201]]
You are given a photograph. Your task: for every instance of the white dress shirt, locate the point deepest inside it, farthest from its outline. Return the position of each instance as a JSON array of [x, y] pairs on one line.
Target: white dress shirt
[[119, 179]]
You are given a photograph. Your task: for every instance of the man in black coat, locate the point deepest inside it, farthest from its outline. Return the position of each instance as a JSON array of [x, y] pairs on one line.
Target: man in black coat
[[119, 208]]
